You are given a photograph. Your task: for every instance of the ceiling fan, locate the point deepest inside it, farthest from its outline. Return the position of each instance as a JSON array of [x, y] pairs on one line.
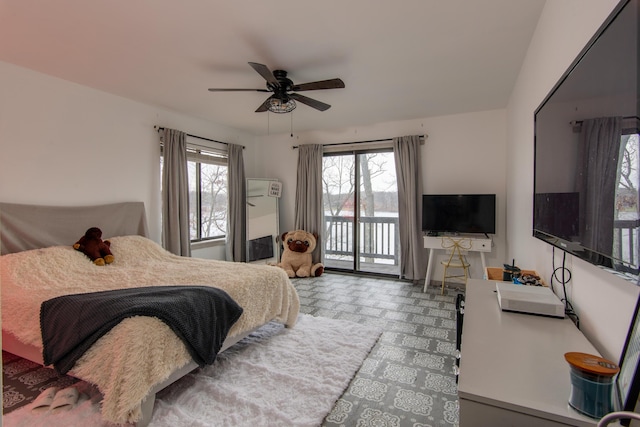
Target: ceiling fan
[[284, 96]]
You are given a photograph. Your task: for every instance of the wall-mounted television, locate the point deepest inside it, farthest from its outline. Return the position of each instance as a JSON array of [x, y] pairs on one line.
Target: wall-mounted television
[[564, 225], [587, 153], [459, 213]]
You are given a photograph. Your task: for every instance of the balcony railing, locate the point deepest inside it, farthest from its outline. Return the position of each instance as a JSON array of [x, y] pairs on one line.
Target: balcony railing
[[377, 236], [626, 243]]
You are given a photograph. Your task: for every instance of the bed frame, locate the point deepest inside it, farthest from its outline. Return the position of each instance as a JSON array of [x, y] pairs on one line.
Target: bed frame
[[26, 227]]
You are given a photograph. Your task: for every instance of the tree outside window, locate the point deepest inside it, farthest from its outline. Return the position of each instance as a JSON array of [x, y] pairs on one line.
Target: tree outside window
[[207, 176]]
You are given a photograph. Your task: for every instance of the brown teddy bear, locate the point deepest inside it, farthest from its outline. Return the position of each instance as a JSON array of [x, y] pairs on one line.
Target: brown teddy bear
[[92, 245], [296, 257]]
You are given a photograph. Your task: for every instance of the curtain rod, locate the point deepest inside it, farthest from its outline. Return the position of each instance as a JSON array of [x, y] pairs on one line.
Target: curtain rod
[[422, 139], [159, 128], [579, 122]]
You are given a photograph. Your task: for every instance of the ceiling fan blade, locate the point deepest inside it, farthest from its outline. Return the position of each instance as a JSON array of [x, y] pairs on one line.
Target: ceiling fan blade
[[236, 90], [310, 102], [264, 71], [264, 106], [323, 84]]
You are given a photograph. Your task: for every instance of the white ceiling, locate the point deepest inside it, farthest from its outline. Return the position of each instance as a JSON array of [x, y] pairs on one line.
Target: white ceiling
[[399, 60]]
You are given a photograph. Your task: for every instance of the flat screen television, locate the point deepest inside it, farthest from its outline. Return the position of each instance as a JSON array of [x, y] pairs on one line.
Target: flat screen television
[[459, 213], [564, 225], [587, 154]]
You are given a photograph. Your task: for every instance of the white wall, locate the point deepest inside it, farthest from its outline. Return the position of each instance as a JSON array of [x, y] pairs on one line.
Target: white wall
[[464, 153], [66, 144], [605, 303]]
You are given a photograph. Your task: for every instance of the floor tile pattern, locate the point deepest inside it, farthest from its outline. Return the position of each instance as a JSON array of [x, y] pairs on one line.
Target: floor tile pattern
[[407, 379], [23, 381]]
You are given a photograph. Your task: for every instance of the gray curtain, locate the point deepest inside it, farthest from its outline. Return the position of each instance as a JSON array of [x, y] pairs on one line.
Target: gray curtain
[[237, 206], [175, 193], [309, 212], [413, 255], [598, 154]]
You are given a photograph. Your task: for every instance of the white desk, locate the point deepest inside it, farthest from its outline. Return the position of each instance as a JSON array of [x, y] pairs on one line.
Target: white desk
[[433, 243], [512, 366]]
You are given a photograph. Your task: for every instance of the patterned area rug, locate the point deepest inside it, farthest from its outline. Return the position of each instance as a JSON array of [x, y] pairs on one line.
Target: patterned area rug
[[408, 378], [23, 381], [274, 377]]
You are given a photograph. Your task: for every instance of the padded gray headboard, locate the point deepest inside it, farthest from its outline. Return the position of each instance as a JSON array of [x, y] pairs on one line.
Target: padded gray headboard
[[24, 227]]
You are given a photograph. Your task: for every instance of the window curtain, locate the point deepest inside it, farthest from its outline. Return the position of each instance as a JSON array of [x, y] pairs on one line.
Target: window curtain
[[175, 193], [598, 155], [413, 255], [309, 212], [237, 205]]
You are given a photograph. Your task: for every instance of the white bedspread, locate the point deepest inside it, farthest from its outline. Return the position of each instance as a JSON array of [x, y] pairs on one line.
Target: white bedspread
[[141, 351]]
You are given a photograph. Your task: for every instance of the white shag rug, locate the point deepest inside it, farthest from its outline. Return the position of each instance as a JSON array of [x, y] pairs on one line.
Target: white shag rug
[[275, 377]]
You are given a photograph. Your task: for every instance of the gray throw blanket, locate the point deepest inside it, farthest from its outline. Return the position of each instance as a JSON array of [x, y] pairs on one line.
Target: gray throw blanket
[[200, 315]]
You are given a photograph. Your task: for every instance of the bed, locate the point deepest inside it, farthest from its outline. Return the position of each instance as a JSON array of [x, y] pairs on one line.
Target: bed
[[141, 355]]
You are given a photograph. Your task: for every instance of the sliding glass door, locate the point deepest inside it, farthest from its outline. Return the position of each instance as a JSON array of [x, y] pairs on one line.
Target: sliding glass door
[[360, 198]]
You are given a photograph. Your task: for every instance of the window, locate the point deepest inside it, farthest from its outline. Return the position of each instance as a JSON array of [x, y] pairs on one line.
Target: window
[[207, 194], [207, 175]]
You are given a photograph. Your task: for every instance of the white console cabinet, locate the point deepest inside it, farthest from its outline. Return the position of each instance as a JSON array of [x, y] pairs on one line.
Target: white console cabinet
[[512, 366]]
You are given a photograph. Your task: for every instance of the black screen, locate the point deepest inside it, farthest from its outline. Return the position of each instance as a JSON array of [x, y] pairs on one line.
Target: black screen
[[587, 164], [557, 213], [260, 248], [459, 213]]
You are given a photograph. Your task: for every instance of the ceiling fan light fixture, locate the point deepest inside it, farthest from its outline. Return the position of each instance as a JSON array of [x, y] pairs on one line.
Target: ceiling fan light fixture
[[279, 106], [282, 101]]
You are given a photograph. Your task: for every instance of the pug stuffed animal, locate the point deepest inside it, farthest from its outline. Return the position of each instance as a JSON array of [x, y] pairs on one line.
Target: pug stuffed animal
[[296, 257]]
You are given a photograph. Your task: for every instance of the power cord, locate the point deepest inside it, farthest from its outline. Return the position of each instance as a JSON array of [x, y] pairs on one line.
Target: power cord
[[568, 308]]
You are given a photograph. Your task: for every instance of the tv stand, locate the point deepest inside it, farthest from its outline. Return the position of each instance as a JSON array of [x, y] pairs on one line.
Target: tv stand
[[478, 244]]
